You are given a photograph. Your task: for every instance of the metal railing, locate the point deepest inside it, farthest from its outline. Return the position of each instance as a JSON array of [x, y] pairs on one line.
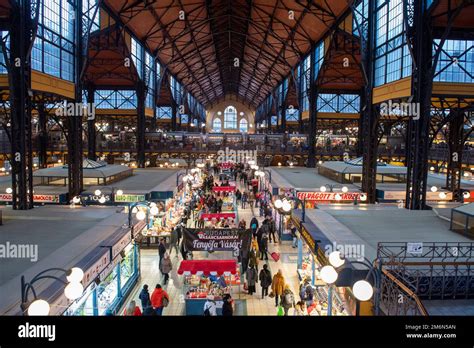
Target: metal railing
[[413, 272]]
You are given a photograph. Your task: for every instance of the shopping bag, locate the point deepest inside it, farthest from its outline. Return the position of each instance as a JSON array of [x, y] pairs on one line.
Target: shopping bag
[[275, 256], [272, 294], [246, 286], [280, 311]]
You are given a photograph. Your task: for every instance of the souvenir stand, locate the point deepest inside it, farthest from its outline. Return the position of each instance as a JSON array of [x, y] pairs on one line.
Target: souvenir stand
[[202, 278]]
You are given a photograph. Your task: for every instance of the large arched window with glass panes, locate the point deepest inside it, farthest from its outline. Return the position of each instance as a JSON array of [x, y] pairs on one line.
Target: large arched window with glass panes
[[243, 125], [217, 125], [230, 117]]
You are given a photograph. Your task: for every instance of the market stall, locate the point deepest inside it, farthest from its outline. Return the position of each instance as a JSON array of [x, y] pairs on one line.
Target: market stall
[[110, 273], [207, 277], [309, 263]]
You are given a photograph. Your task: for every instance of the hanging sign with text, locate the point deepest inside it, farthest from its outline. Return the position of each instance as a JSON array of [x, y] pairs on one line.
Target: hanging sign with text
[[329, 196], [217, 239]]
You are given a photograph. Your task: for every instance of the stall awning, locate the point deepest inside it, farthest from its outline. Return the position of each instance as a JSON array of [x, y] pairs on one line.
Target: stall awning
[[218, 216], [208, 266], [223, 188]]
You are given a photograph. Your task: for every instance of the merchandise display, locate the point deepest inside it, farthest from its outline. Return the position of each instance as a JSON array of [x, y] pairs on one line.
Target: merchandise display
[[320, 305], [107, 292], [199, 287]]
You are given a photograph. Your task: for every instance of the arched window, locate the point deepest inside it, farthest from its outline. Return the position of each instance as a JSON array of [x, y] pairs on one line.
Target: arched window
[[230, 118], [217, 125], [244, 125]]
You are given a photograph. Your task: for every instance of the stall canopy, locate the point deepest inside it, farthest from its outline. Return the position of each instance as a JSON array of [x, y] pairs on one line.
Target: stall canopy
[[208, 266]]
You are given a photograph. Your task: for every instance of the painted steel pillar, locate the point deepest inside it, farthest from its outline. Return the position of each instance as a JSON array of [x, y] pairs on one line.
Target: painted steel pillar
[[174, 110], [91, 130], [369, 115], [456, 145], [313, 114], [74, 123], [141, 124], [42, 136], [19, 78]]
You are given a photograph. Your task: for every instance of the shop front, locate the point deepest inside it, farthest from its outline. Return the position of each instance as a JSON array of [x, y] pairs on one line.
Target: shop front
[[109, 280], [311, 258], [204, 278]]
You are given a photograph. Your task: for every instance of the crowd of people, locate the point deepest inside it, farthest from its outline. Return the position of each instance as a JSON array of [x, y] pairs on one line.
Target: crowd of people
[[205, 200]]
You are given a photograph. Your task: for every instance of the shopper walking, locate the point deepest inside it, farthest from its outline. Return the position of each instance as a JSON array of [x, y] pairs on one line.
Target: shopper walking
[[254, 225], [174, 239], [132, 309], [253, 259], [245, 197], [278, 286], [265, 278], [262, 238], [210, 307], [145, 297], [166, 267], [161, 250], [159, 299], [252, 278], [272, 229], [228, 306], [238, 196], [294, 235], [287, 299], [307, 292]]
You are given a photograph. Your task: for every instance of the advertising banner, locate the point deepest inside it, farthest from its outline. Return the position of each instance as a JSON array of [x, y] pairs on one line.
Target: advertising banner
[[7, 197], [328, 196], [214, 239]]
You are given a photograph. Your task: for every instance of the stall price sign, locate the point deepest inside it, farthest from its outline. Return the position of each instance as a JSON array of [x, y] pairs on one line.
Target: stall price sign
[[217, 239]]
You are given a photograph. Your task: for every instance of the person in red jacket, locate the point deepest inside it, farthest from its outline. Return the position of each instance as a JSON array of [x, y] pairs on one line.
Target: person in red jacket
[[132, 309], [159, 299]]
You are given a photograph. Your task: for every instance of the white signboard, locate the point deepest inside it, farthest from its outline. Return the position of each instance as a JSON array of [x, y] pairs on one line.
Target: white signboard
[[430, 196], [121, 244], [415, 248], [104, 274], [93, 272]]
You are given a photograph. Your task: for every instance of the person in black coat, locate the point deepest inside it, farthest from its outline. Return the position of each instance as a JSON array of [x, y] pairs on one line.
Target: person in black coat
[[145, 297], [254, 225], [184, 252], [227, 309], [161, 249], [265, 278]]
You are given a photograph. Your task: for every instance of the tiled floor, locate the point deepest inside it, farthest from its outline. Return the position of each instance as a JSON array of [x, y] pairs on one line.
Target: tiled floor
[[255, 304]]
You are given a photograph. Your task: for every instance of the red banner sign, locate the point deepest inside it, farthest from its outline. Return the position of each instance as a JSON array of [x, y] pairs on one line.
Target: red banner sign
[[223, 189], [7, 197], [328, 196], [218, 216], [226, 165]]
